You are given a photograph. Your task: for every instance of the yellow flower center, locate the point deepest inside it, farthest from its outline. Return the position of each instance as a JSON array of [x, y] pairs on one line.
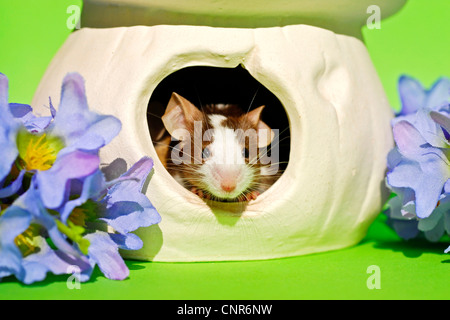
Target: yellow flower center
[[39, 155], [24, 241], [38, 152]]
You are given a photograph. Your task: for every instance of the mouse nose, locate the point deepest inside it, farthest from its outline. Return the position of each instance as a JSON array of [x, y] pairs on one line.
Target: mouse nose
[[228, 178], [228, 186]]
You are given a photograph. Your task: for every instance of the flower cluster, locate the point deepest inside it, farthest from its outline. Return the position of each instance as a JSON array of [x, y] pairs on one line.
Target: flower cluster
[[419, 165], [58, 211]]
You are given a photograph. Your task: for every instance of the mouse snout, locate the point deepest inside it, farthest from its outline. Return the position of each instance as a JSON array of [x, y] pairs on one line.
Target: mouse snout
[[228, 185], [228, 177]]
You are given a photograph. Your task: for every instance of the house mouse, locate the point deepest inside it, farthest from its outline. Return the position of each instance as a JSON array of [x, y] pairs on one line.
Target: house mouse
[[218, 152]]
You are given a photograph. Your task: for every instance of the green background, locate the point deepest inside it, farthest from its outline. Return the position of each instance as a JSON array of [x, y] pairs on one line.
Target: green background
[[415, 41]]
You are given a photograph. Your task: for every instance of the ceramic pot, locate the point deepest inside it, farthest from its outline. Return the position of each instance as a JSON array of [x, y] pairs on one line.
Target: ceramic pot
[[339, 121]]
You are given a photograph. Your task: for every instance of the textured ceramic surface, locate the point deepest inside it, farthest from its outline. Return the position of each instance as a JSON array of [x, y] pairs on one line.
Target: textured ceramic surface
[[339, 119]]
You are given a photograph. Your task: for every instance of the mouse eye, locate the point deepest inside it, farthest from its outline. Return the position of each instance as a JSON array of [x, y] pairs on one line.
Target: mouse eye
[[206, 153], [245, 153]]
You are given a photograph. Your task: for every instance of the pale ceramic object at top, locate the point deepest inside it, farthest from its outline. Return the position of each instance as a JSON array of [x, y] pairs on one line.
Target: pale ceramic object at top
[[340, 16], [339, 119]]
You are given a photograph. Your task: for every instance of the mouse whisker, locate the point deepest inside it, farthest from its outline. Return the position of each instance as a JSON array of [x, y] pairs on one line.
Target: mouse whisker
[[154, 115], [253, 99], [270, 148]]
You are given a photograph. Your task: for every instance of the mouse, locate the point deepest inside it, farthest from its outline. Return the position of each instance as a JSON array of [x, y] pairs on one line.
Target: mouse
[[217, 151]]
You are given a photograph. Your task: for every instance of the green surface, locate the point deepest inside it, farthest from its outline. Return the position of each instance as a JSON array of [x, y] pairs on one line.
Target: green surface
[[415, 41], [413, 270]]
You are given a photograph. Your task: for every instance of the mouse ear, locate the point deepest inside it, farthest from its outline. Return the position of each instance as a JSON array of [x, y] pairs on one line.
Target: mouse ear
[[179, 116], [265, 133]]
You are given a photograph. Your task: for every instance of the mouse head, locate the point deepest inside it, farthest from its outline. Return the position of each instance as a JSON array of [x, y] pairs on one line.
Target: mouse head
[[220, 147]]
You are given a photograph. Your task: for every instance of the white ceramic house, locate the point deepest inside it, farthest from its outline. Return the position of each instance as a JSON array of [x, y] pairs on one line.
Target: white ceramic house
[[339, 118]]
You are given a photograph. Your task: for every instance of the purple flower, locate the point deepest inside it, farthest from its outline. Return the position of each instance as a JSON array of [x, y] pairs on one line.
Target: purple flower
[[423, 168], [24, 251], [414, 97], [126, 208], [12, 224], [75, 124], [14, 116], [123, 209], [108, 211], [33, 143], [32, 199], [74, 127], [92, 234], [419, 165], [57, 209]]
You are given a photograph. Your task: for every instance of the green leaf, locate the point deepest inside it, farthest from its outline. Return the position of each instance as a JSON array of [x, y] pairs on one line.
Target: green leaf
[[74, 233]]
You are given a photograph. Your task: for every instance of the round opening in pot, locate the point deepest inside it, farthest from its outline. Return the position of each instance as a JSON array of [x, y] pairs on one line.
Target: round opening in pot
[[219, 132]]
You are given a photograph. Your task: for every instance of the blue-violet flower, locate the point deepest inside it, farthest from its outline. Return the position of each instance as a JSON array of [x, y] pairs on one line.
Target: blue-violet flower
[[419, 165], [57, 209]]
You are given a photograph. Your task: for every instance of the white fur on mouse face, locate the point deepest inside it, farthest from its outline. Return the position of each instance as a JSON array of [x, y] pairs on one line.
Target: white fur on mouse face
[[224, 172]]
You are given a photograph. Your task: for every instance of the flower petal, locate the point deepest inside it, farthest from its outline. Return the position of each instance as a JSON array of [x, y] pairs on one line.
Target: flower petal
[[441, 119], [3, 94], [13, 187], [106, 127], [8, 131], [92, 187], [127, 216], [20, 111], [406, 229], [430, 130], [13, 222], [427, 181], [429, 223], [447, 221], [32, 202], [412, 95], [127, 241], [127, 207], [436, 233], [37, 124], [81, 128], [447, 187], [53, 183], [104, 252], [55, 261], [73, 97], [408, 139], [397, 209], [439, 93], [394, 157]]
